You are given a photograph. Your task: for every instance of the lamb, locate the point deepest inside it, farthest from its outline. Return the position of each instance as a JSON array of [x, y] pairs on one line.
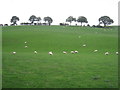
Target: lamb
[[95, 50], [117, 53], [50, 53], [84, 45], [106, 53], [72, 52], [35, 52], [64, 52], [76, 51], [26, 46], [14, 53]]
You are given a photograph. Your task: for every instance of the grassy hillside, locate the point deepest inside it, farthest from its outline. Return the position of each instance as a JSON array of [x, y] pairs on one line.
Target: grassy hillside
[[85, 69]]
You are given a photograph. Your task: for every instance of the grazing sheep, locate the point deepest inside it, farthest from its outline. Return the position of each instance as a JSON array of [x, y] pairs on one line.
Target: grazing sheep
[[117, 53], [35, 52], [95, 50], [14, 53], [25, 42], [84, 45], [50, 53], [64, 52], [106, 53], [72, 52], [76, 51], [26, 46]]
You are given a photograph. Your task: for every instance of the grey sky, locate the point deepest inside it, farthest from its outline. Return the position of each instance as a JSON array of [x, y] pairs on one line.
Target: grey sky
[[59, 10]]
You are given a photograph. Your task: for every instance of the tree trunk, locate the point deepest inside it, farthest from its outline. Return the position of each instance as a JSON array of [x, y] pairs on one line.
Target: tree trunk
[[32, 22], [99, 24], [49, 24], [81, 23], [14, 23], [104, 25]]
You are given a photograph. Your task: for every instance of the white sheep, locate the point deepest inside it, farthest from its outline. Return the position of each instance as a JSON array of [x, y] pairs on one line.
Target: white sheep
[[106, 53], [26, 46], [64, 52], [84, 45], [35, 52], [95, 50], [50, 53], [14, 53], [72, 52], [117, 53], [76, 51], [25, 42]]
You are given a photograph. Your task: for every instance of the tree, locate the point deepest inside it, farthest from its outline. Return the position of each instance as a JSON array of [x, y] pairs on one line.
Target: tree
[[38, 19], [70, 19], [105, 20], [45, 19], [14, 20], [32, 19], [74, 19], [48, 19], [82, 19]]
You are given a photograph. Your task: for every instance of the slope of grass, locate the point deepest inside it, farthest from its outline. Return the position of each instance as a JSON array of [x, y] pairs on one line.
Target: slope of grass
[[85, 69]]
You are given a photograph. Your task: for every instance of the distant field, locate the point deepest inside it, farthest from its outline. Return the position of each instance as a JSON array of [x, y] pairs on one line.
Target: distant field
[[85, 69]]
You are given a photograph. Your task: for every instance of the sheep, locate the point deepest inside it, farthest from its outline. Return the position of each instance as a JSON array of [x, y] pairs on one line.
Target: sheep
[[84, 45], [95, 50], [117, 53], [76, 51], [26, 46], [14, 53], [72, 52], [25, 42], [106, 53], [35, 52], [50, 53], [64, 52]]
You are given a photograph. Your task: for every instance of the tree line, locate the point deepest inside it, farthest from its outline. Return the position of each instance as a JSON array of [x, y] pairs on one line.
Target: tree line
[[32, 19], [105, 20]]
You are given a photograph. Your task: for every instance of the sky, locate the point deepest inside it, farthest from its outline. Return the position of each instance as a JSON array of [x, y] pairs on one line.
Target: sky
[[59, 10]]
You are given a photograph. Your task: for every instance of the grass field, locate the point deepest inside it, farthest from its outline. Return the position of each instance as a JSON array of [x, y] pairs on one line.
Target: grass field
[[85, 69]]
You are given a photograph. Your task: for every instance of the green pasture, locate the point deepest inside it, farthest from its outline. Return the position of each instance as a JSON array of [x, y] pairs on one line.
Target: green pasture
[[86, 69]]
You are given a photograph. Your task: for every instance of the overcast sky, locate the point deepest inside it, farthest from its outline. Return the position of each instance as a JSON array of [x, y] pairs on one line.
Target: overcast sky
[[59, 10]]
